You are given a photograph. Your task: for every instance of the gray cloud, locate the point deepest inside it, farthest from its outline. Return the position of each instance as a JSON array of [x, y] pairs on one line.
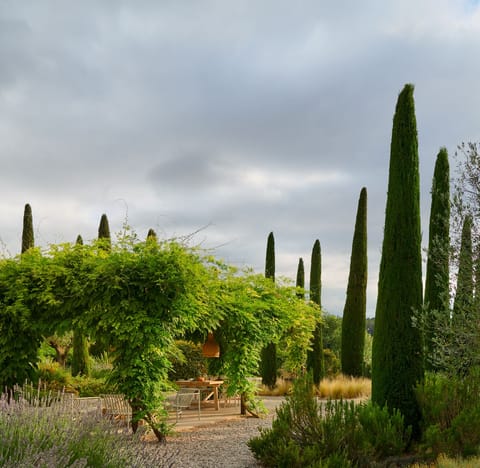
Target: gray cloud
[[246, 117]]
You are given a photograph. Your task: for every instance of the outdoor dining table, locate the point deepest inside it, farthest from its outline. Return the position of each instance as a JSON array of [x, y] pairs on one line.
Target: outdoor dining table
[[203, 384]]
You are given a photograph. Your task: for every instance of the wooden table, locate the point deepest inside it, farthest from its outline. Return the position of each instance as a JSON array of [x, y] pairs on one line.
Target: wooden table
[[203, 384]]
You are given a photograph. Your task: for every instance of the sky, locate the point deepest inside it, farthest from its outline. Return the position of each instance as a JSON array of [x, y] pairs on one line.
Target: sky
[[227, 119]]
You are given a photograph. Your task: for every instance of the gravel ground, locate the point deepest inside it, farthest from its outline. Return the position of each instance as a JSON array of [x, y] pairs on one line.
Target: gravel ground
[[223, 445]]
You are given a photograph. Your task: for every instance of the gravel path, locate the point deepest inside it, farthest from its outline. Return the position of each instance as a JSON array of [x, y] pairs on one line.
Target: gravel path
[[223, 445]]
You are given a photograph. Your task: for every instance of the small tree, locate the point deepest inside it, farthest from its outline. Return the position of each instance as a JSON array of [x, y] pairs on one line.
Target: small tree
[[397, 361], [354, 312], [269, 353], [27, 233], [315, 362]]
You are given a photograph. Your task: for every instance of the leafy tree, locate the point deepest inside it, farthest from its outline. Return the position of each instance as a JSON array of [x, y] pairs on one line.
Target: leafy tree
[[437, 276], [300, 283], [269, 353], [397, 362], [80, 357], [354, 313], [315, 362], [27, 233]]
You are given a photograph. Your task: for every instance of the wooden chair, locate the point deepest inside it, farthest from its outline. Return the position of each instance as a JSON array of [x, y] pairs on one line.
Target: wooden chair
[[116, 408], [87, 405]]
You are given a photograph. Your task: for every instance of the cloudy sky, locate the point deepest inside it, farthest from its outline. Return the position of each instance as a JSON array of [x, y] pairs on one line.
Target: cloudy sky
[[235, 118]]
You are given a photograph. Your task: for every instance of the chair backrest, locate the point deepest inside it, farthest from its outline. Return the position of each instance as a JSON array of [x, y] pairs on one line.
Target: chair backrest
[[116, 404], [185, 398]]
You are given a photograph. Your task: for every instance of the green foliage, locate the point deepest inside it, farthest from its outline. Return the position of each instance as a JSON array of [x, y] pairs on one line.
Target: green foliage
[[27, 233], [451, 414], [354, 312], [315, 362], [80, 344], [308, 433], [437, 275], [397, 363], [187, 361], [144, 295], [268, 363]]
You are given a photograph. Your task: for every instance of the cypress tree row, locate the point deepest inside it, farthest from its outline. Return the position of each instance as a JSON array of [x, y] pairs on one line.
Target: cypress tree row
[[268, 363], [27, 232], [354, 312], [437, 276], [300, 283], [397, 358], [80, 356], [315, 362]]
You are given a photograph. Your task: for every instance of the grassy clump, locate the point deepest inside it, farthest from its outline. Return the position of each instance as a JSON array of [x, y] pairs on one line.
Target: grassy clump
[[344, 387], [340, 387]]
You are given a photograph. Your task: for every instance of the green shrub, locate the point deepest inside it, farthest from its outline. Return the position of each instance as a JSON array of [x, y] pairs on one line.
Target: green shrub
[[337, 433], [451, 414]]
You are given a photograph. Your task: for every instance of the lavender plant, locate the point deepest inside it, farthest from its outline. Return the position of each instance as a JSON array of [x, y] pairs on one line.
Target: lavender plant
[[38, 429]]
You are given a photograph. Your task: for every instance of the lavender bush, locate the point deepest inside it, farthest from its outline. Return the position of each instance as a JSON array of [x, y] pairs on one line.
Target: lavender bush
[[39, 430]]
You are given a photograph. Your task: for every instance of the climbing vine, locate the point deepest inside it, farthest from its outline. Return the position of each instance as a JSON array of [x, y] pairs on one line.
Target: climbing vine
[[140, 297]]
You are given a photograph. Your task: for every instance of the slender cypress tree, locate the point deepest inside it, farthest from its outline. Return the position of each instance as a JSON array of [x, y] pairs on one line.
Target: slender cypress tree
[[300, 278], [315, 361], [397, 355], [104, 232], [27, 233], [269, 353], [354, 313], [80, 356], [464, 294], [437, 276], [151, 235]]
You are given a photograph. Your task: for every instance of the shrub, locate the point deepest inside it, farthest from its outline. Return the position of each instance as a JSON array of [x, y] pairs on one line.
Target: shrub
[[451, 414], [308, 433]]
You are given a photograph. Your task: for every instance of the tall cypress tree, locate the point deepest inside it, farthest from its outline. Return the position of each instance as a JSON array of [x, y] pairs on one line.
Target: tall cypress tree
[[104, 232], [268, 363], [315, 361], [397, 355], [464, 294], [437, 276], [300, 283], [27, 233], [354, 312], [80, 356]]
